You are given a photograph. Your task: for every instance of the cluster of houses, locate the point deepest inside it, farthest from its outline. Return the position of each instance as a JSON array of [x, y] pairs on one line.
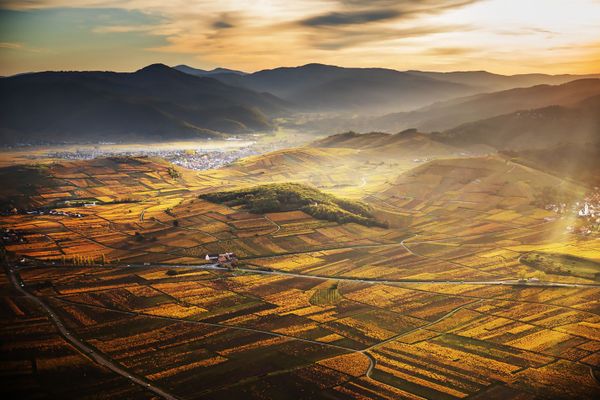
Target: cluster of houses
[[587, 212], [55, 212]]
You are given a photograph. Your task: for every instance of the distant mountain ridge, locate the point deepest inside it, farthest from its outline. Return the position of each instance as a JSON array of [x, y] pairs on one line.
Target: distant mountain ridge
[[540, 128], [325, 88], [320, 87], [490, 82], [162, 103], [201, 72], [153, 103], [448, 114]]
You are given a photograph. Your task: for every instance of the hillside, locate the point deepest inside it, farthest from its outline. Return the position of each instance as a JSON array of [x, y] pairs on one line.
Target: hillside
[[489, 82], [454, 112], [532, 129], [578, 162], [448, 114], [292, 197], [102, 179], [483, 183], [406, 143], [154, 103]]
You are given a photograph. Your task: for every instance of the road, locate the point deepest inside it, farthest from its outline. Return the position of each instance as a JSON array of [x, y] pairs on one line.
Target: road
[[82, 347], [395, 337], [382, 281], [366, 351]]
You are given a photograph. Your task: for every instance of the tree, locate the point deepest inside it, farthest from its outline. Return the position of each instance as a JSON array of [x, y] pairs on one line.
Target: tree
[[541, 275]]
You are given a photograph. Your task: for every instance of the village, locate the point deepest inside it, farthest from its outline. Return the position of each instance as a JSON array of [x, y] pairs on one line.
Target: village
[[586, 211]]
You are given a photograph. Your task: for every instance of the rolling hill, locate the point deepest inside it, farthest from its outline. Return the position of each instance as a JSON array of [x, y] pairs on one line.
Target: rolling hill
[[445, 115], [482, 183], [153, 103], [532, 129], [576, 161], [408, 143], [448, 114], [292, 197]]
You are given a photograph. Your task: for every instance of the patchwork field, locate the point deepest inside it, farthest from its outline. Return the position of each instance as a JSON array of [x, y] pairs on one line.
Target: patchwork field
[[435, 301]]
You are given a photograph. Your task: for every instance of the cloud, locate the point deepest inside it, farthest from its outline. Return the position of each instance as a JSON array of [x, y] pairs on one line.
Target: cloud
[[10, 45], [222, 25], [227, 20], [354, 23], [351, 18], [449, 51], [340, 39], [431, 34]]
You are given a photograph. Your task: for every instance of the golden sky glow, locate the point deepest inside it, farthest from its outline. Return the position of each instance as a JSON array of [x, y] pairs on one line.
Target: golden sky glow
[[503, 36]]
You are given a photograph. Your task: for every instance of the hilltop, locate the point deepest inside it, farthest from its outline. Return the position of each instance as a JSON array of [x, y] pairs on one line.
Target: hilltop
[[201, 72]]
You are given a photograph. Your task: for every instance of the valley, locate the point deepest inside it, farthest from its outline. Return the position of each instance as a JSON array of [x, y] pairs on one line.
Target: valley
[[434, 301]]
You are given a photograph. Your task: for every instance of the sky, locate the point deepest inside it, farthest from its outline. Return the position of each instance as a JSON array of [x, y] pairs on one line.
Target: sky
[[501, 36]]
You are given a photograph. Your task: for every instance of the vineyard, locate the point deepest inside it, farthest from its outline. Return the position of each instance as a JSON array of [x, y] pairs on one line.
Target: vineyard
[[318, 308]]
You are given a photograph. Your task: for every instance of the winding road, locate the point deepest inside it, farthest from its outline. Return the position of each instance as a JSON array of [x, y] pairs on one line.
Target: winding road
[[141, 381], [82, 347]]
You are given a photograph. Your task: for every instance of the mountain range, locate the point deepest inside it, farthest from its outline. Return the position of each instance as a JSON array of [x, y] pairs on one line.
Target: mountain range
[[154, 103], [328, 88], [162, 103]]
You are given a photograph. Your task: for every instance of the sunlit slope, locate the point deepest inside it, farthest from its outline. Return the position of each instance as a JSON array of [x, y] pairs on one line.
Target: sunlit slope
[[349, 163], [104, 179], [408, 143], [454, 195], [488, 181], [578, 162]]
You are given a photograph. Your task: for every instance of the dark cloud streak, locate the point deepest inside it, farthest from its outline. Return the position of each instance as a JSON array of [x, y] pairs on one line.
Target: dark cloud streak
[[350, 18], [335, 39], [355, 22], [222, 25]]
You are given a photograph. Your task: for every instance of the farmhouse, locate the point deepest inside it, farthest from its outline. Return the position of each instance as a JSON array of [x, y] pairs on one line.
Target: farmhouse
[[223, 259]]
